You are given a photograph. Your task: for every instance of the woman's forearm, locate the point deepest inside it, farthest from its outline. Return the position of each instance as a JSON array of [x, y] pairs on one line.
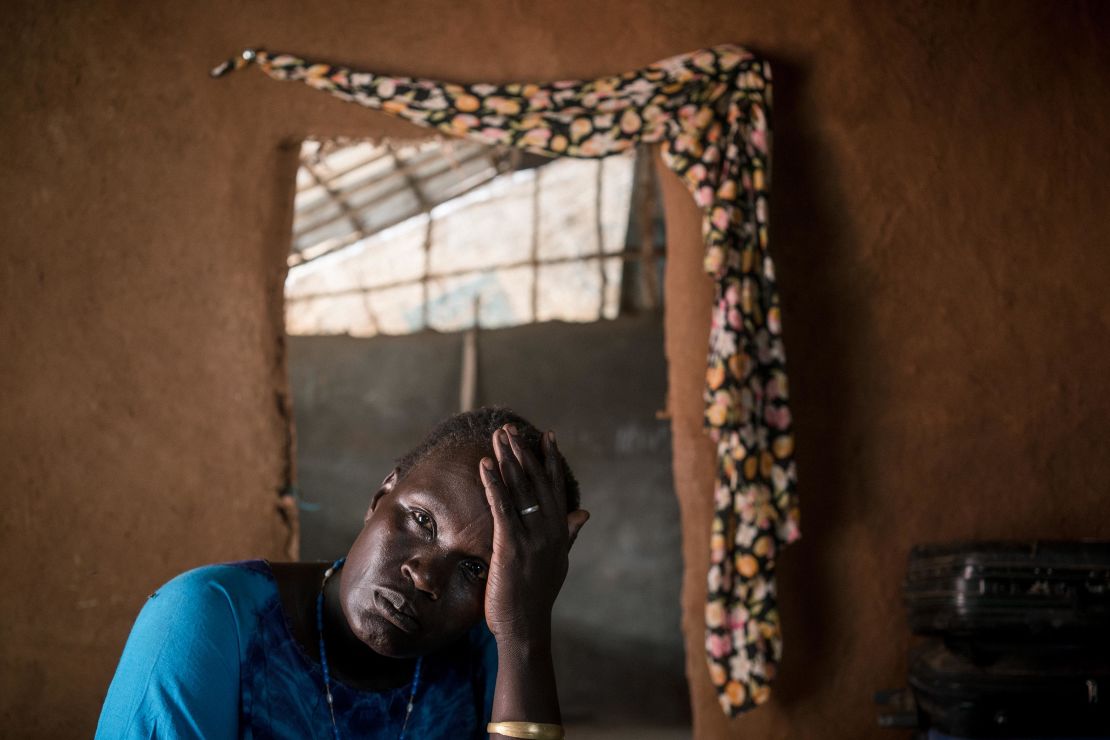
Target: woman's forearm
[[532, 534], [525, 689]]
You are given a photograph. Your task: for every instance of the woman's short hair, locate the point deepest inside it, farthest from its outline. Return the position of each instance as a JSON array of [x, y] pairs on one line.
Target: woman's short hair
[[474, 429]]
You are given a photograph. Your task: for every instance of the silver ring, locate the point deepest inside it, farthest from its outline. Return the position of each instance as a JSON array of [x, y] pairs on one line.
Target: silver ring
[[530, 510]]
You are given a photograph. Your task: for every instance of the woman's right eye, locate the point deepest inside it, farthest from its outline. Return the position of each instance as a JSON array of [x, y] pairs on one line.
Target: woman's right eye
[[475, 569]]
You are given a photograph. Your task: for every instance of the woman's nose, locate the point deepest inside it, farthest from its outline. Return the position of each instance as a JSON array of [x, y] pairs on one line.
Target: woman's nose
[[421, 572]]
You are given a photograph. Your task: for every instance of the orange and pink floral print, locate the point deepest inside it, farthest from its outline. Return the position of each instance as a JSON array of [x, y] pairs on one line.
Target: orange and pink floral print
[[709, 112]]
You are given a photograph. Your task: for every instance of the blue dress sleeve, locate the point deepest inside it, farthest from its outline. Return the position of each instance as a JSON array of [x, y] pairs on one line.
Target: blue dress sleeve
[[179, 673]]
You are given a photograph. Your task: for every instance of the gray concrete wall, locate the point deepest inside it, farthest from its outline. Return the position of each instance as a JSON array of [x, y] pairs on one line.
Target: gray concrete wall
[[360, 403]]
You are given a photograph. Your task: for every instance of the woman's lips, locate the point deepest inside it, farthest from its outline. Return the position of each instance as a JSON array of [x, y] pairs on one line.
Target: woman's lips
[[395, 607]]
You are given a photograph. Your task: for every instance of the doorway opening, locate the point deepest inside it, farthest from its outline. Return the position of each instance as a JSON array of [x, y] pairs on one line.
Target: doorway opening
[[431, 277]]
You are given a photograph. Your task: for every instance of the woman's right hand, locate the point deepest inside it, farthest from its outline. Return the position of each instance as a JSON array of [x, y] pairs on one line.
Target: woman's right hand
[[532, 534]]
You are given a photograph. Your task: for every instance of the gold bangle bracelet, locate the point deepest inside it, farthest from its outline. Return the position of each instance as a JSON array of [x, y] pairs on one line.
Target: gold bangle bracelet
[[526, 730]]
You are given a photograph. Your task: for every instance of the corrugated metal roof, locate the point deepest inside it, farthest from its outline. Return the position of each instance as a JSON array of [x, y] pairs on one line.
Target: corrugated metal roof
[[348, 193], [450, 234]]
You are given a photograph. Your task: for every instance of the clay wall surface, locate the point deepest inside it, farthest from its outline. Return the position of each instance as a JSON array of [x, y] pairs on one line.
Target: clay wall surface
[[940, 182]]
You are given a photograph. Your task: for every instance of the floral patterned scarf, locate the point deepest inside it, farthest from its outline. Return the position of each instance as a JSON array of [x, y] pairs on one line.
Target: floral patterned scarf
[[709, 112]]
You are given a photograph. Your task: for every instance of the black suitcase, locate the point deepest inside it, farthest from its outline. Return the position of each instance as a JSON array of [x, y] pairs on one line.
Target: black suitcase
[[1041, 693], [998, 592]]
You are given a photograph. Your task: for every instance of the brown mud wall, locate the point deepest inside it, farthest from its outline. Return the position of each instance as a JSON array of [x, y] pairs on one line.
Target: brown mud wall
[[940, 186]]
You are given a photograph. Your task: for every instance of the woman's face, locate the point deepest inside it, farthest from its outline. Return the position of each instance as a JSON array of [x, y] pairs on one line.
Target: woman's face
[[415, 577]]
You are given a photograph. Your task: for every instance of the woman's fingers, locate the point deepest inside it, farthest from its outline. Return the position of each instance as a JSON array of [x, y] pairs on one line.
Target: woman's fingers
[[530, 482], [520, 488], [500, 501], [542, 484], [554, 464], [524, 455]]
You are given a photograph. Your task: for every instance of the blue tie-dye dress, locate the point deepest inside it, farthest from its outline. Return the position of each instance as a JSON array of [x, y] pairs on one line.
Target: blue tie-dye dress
[[211, 656]]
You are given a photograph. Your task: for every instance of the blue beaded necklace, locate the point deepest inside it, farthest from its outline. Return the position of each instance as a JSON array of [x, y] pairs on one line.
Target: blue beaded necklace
[[324, 659]]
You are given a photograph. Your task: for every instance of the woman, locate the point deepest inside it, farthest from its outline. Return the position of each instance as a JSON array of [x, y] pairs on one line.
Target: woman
[[390, 641]]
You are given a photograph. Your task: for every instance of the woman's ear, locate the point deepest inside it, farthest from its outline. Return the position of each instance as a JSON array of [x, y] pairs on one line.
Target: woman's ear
[[387, 485]]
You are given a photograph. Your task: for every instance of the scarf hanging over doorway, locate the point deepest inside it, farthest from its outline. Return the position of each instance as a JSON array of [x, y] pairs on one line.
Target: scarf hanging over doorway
[[709, 110]]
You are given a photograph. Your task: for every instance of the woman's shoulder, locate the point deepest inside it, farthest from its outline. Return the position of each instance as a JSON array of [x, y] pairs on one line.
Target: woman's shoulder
[[180, 667], [236, 584], [223, 572], [228, 574]]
